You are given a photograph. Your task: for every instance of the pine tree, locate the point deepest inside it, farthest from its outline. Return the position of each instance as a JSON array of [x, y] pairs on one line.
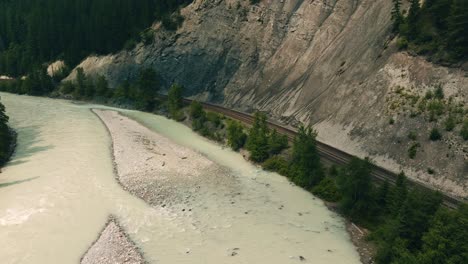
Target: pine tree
[[412, 19], [175, 101], [382, 198], [357, 190], [257, 142], [445, 241], [306, 169], [235, 135], [147, 89], [397, 17], [458, 28], [81, 82], [398, 194], [415, 216], [102, 86]]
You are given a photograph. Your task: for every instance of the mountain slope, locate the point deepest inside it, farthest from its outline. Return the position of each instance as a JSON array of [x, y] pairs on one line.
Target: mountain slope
[[328, 63]]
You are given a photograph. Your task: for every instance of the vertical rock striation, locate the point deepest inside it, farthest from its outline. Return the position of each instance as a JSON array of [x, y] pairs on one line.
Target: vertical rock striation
[[329, 63]]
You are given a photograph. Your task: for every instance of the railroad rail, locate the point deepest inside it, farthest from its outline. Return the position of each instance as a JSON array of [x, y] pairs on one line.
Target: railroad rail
[[328, 154]]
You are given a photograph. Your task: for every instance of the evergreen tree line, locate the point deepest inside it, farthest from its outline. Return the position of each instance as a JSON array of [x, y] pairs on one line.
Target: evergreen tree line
[[33, 32], [438, 28], [408, 225], [6, 136], [205, 123], [141, 93]]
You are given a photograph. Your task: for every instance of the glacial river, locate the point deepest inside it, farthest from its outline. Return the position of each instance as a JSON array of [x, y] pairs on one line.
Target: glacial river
[[59, 189]]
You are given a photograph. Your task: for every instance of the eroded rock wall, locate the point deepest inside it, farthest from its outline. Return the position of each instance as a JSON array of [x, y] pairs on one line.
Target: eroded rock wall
[[328, 63]]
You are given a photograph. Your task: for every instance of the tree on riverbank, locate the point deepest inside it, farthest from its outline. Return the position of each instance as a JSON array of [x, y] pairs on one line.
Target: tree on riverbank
[[306, 169], [357, 189], [198, 117], [147, 88], [277, 142], [235, 135], [5, 136], [263, 142], [257, 142], [175, 101]]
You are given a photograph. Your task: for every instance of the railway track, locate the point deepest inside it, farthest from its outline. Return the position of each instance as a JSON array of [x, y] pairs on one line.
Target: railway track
[[328, 154]]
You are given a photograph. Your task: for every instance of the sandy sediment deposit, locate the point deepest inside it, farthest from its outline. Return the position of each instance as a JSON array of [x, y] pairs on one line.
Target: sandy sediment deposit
[[113, 246], [155, 169]]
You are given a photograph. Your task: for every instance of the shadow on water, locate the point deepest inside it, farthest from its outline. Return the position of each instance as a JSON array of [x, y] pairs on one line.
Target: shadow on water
[[28, 139], [3, 185]]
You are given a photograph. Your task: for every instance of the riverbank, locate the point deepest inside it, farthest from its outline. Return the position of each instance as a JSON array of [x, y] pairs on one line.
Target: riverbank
[[113, 245], [168, 175]]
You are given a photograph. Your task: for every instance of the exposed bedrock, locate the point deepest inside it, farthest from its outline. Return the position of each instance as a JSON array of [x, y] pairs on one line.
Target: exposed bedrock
[[328, 63]]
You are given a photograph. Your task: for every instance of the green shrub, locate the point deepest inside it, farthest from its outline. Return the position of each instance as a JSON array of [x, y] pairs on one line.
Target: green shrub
[[435, 135], [450, 123], [276, 164], [327, 190], [277, 142], [196, 110], [236, 137], [178, 115], [215, 119], [413, 150], [439, 92], [428, 95], [198, 124], [147, 36], [412, 135], [436, 106]]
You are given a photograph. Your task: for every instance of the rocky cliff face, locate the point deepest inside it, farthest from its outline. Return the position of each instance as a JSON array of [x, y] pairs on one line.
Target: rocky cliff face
[[328, 63]]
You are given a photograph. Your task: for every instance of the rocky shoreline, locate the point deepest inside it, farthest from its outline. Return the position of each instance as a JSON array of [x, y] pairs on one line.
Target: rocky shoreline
[[113, 245]]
